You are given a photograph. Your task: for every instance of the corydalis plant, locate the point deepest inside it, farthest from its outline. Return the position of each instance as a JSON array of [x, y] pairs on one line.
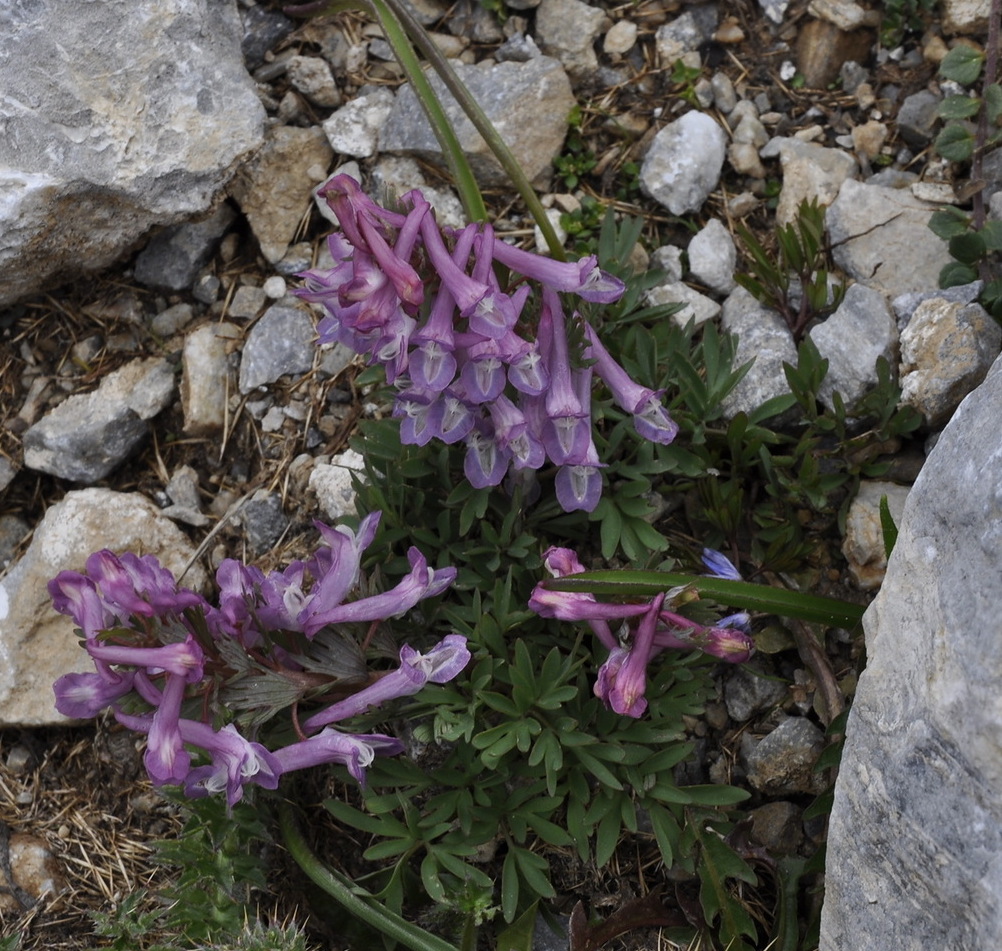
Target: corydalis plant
[[473, 361], [204, 678], [650, 628]]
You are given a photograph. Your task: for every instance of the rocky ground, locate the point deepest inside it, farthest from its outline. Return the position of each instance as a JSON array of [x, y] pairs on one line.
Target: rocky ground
[[237, 459]]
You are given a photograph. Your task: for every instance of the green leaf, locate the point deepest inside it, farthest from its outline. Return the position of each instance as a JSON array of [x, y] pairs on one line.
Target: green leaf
[[948, 222], [968, 248], [959, 107], [887, 527], [962, 64], [955, 143], [991, 233], [716, 795], [956, 274], [754, 597], [518, 936], [993, 102]]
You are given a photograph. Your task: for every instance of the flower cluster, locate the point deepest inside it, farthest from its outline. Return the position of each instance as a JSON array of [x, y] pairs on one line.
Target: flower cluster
[[171, 665], [458, 346], [650, 629]]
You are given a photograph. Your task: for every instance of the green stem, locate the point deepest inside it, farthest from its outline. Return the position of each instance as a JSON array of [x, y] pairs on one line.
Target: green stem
[[480, 121], [356, 901], [753, 597], [466, 183]]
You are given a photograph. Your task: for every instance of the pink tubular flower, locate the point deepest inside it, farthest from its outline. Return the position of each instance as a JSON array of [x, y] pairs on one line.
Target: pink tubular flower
[[442, 663], [81, 696], [331, 746], [650, 417], [623, 688]]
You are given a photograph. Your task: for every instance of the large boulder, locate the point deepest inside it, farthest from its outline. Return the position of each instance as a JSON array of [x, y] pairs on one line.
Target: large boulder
[[116, 116], [915, 840]]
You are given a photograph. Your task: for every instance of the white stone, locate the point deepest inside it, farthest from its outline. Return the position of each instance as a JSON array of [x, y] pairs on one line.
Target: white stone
[[621, 37], [354, 128], [880, 237], [860, 332], [567, 30], [334, 486], [683, 163], [969, 17], [765, 339]]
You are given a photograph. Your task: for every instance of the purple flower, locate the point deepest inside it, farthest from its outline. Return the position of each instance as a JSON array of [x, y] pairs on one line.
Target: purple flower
[[624, 684], [330, 746], [489, 311], [578, 605], [579, 486], [650, 418], [81, 696], [166, 759], [720, 566], [583, 277], [139, 585], [568, 429], [422, 582], [418, 424], [485, 462], [512, 433], [76, 595], [726, 640], [441, 664], [183, 658], [235, 762]]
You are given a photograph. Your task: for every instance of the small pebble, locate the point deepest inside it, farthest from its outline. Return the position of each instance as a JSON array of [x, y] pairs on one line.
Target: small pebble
[[621, 37], [275, 287]]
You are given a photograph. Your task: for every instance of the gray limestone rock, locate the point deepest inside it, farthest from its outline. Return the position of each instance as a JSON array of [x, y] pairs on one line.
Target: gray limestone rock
[[747, 692], [906, 304], [683, 163], [946, 350], [86, 436], [969, 17], [567, 29], [116, 116], [783, 762], [173, 258], [764, 337], [528, 103], [861, 331], [881, 238], [38, 645], [917, 118], [712, 257], [281, 342], [263, 520], [684, 34], [915, 840]]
